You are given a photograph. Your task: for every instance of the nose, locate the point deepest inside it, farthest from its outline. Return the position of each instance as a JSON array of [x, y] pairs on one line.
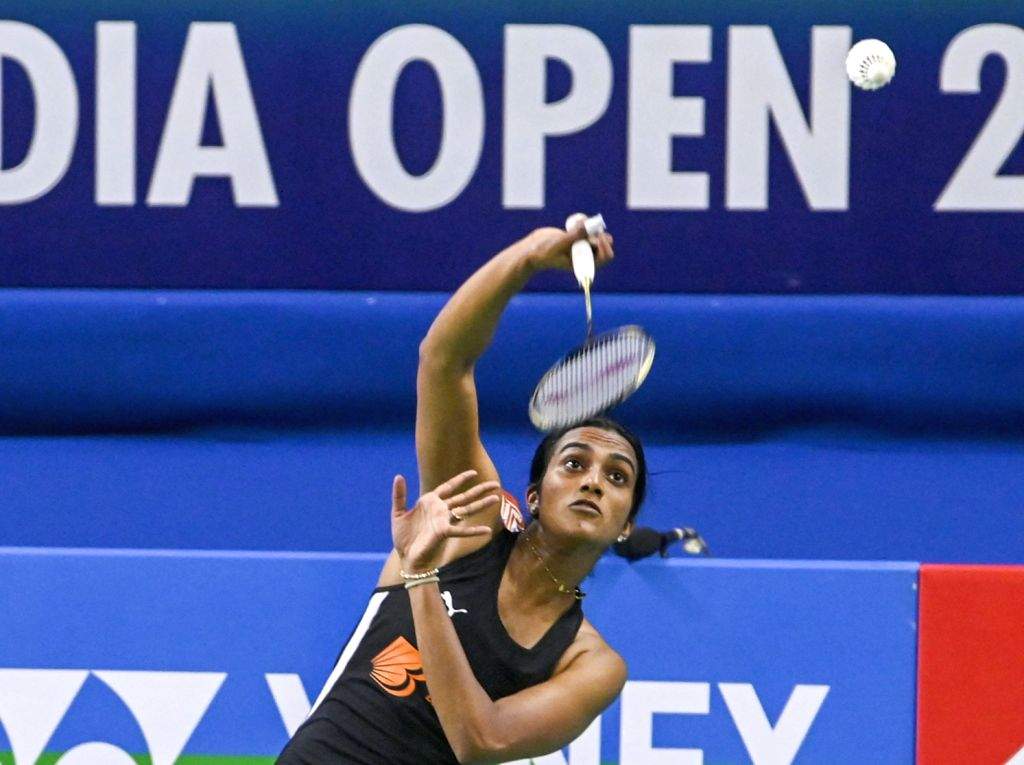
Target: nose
[[592, 483]]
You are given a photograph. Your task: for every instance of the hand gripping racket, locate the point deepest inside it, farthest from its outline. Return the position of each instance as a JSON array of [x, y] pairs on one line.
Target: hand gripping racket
[[602, 372]]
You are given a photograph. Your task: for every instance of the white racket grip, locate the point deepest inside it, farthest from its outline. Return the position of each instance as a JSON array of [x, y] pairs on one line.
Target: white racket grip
[[582, 252], [583, 262]]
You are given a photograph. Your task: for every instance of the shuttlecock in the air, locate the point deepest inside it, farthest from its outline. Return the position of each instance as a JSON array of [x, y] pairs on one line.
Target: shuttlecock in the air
[[870, 64]]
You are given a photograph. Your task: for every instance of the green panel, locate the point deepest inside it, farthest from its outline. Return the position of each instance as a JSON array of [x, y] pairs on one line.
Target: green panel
[[49, 758]]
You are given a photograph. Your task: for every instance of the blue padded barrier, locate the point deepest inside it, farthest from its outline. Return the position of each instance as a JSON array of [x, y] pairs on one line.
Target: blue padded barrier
[[106, 360], [793, 428], [795, 494]]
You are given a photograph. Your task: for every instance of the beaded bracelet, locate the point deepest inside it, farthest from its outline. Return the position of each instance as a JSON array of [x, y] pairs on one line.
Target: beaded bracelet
[[416, 577], [425, 580]]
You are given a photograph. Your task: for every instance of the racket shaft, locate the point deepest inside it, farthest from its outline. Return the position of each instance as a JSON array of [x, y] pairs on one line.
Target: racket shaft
[[590, 313]]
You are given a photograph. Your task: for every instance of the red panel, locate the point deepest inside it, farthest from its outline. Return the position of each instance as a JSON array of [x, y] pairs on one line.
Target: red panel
[[970, 692]]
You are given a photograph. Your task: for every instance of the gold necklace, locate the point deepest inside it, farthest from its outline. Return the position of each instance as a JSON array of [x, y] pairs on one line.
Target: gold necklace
[[576, 592]]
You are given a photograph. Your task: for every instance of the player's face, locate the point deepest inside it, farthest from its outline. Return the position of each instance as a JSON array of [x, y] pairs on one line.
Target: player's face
[[588, 486]]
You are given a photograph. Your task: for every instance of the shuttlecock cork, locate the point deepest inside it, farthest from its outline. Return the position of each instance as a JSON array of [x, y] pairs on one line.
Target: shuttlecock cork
[[870, 64]]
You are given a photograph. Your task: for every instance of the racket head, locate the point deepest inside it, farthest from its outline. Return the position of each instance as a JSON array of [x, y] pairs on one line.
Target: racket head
[[591, 379]]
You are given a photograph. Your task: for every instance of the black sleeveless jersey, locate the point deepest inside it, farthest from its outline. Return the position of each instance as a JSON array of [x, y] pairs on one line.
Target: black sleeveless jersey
[[375, 707]]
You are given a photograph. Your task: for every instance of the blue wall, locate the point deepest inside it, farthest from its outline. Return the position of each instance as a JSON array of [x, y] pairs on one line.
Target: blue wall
[[837, 428]]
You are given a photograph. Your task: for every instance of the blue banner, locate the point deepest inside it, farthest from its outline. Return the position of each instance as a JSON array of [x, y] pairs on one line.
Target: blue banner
[[395, 146], [106, 655]]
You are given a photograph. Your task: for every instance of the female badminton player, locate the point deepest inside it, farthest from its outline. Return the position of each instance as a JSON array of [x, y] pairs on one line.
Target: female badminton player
[[473, 647]]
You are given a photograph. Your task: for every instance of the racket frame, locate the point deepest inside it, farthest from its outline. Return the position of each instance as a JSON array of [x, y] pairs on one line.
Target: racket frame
[[544, 421]]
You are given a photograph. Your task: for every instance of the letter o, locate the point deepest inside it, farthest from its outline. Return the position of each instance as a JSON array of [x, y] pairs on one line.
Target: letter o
[[371, 125]]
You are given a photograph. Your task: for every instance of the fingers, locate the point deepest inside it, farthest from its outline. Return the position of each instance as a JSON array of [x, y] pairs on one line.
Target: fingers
[[467, 531], [461, 511], [573, 234], [603, 245], [398, 495], [445, 489], [487, 487], [578, 230]]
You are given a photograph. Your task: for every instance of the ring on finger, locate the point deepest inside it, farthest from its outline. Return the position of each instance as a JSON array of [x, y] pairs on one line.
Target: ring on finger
[[453, 517]]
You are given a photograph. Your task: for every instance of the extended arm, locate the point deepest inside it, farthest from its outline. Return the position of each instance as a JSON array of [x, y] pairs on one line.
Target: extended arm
[[447, 422]]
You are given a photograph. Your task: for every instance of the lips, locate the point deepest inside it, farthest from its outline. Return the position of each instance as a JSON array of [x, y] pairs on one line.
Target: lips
[[587, 504]]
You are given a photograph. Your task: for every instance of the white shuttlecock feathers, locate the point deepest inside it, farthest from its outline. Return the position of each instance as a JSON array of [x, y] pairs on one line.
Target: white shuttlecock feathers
[[870, 64]]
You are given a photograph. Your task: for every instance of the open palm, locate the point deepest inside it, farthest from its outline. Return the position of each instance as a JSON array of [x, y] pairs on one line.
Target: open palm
[[419, 534]]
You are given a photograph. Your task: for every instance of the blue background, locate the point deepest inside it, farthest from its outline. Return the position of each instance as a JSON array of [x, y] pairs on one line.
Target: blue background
[[844, 426]]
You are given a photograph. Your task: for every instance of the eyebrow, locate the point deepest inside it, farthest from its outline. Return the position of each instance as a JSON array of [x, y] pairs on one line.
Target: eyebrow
[[589, 448]]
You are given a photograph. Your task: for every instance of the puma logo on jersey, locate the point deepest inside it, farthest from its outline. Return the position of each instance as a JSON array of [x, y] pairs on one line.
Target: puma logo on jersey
[[446, 596], [397, 668]]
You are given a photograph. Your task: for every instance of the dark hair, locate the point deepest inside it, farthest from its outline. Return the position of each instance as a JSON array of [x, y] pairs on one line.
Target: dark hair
[[541, 457]]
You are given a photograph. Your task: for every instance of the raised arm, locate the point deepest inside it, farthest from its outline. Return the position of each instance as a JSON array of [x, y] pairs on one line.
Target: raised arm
[[447, 421]]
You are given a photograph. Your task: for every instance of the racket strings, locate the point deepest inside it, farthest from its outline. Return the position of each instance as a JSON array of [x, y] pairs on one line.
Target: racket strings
[[593, 378]]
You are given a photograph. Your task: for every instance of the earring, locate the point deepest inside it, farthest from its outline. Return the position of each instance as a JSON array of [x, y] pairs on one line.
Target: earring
[[622, 537]]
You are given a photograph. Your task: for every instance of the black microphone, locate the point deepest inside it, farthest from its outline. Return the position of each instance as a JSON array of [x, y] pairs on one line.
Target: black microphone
[[645, 541]]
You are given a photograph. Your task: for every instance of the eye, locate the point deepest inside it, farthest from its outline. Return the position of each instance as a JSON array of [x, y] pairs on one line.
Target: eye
[[618, 477], [573, 464]]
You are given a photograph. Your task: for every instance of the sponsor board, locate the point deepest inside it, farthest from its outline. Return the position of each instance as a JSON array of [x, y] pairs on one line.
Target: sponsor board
[[109, 656], [177, 137]]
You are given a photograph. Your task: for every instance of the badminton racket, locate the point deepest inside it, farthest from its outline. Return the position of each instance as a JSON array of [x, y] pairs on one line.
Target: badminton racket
[[602, 372]]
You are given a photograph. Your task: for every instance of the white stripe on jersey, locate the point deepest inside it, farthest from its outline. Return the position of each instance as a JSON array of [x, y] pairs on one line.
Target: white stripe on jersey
[[350, 648]]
